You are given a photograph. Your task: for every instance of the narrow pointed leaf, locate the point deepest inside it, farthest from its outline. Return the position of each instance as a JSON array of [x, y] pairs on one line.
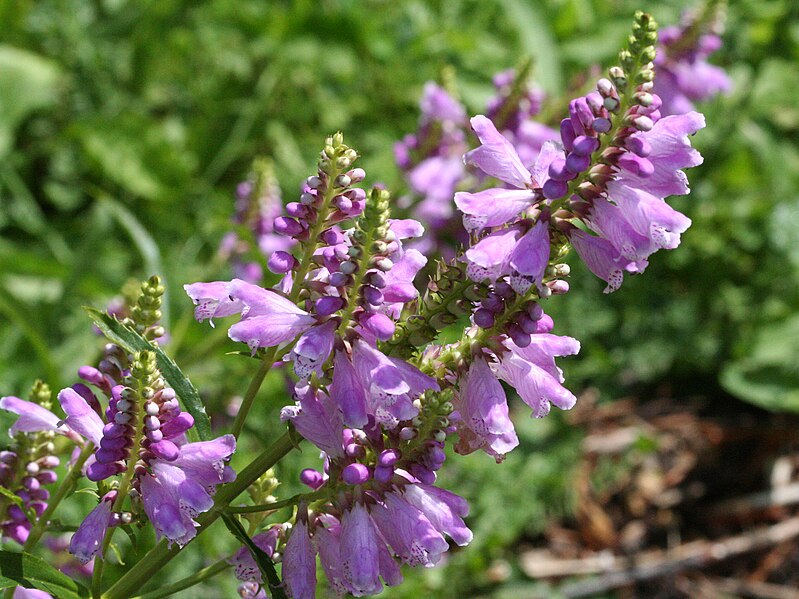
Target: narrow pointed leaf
[[29, 571], [131, 341], [265, 563]]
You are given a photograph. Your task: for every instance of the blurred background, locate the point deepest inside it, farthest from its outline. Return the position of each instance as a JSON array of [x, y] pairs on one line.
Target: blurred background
[[126, 126]]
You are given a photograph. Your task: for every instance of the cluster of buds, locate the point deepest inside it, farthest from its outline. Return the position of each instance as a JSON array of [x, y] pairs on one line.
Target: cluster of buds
[[327, 198], [25, 469], [258, 203]]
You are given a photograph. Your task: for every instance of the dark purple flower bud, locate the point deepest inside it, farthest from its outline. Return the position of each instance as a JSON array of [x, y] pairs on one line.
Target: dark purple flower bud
[[333, 237], [109, 455], [177, 425], [8, 457], [423, 474], [375, 279], [100, 471], [372, 295], [504, 290], [567, 134], [601, 125], [555, 189], [339, 279], [115, 430], [38, 507], [312, 478], [287, 226], [576, 163], [518, 336], [355, 474], [280, 262], [379, 324], [47, 477], [384, 474], [16, 514], [559, 172], [296, 209], [436, 457], [585, 146], [92, 375], [31, 483], [388, 457], [526, 323], [535, 311], [114, 443], [166, 450], [493, 303], [327, 305], [484, 318], [638, 145], [581, 115]]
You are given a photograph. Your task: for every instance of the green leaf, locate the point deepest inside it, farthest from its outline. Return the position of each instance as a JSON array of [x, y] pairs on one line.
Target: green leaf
[[265, 563], [13, 497], [30, 82], [29, 571], [131, 341], [768, 375]]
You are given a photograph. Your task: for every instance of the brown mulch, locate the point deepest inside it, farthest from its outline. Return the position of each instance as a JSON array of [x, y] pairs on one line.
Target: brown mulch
[[678, 499]]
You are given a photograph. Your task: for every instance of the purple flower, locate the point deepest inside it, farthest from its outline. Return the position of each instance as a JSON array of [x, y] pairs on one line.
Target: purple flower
[[670, 152], [23, 593], [317, 418], [360, 563], [80, 416], [391, 385], [484, 422], [600, 256], [348, 393], [531, 370], [408, 531], [530, 256], [490, 257], [268, 318], [313, 348], [87, 541], [443, 509], [497, 157], [32, 417], [213, 300], [244, 565], [299, 563]]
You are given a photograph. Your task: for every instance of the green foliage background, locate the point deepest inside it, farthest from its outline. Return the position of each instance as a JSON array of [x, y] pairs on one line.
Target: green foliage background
[[124, 127]]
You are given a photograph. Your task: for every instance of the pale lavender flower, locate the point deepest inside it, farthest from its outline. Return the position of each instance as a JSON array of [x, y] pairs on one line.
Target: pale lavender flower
[[483, 413], [299, 563], [23, 593], [244, 565], [87, 542]]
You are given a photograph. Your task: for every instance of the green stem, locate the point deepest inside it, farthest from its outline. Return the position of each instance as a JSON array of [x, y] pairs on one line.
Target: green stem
[[255, 384], [276, 505], [66, 487], [187, 582], [162, 553]]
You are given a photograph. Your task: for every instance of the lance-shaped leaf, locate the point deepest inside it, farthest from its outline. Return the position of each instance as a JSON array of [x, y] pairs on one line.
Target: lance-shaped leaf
[[265, 563], [29, 571], [131, 341]]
